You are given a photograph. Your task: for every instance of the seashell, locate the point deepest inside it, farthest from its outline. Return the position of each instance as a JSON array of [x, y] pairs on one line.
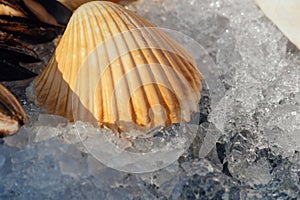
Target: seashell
[[12, 115], [285, 14], [114, 68]]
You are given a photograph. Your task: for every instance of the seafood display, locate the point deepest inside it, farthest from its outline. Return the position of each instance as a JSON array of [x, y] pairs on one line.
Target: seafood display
[[99, 113], [143, 86]]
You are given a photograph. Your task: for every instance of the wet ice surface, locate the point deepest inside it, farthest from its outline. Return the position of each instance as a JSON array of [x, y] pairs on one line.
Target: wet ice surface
[[256, 157]]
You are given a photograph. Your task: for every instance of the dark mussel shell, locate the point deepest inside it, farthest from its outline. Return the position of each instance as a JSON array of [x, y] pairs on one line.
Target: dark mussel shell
[[17, 5], [12, 48], [29, 30], [16, 35], [12, 115], [55, 9]]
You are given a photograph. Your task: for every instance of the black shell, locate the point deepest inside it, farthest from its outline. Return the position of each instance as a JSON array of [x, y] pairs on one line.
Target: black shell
[[16, 36]]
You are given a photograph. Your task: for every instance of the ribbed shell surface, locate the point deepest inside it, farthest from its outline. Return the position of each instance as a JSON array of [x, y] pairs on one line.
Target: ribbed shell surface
[[114, 68]]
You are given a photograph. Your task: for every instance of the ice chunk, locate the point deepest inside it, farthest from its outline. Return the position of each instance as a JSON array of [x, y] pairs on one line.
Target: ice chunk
[[20, 139], [46, 132], [164, 179], [287, 84], [53, 148], [73, 163], [47, 126], [283, 128], [23, 159], [43, 174], [51, 120], [209, 142], [258, 173], [102, 176], [70, 134], [94, 165]]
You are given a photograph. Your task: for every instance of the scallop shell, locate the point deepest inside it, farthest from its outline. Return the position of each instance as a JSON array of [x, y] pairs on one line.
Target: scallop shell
[[285, 14], [12, 115], [114, 68]]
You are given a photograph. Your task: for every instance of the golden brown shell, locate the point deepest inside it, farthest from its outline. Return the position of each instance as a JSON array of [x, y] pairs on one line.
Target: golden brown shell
[[113, 68]]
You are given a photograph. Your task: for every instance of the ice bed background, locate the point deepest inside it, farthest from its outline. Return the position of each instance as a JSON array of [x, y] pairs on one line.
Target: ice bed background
[[256, 156]]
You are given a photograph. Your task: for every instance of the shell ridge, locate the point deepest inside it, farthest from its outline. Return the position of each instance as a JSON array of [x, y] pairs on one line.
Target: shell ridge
[[108, 83], [85, 75], [151, 91], [120, 60], [154, 48], [165, 46], [114, 50], [41, 80], [45, 79], [89, 45], [70, 104], [145, 96], [164, 98], [71, 61], [138, 48], [173, 47], [185, 56], [45, 87], [179, 57], [100, 108], [76, 55], [64, 97], [186, 67]]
